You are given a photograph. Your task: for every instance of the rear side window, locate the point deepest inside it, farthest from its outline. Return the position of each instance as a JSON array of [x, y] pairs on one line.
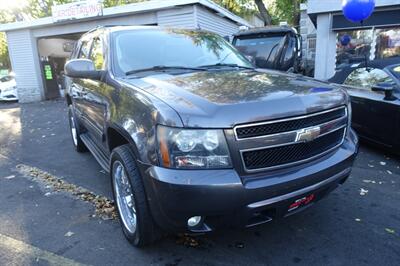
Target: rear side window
[[85, 49], [97, 55]]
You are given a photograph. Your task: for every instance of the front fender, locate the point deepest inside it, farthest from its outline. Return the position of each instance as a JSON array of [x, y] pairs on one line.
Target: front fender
[[135, 115]]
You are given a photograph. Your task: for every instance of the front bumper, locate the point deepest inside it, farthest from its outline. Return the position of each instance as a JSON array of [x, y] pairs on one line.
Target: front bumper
[[8, 95], [222, 196]]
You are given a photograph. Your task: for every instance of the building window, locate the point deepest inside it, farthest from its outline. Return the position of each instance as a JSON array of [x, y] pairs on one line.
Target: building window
[[387, 43], [357, 45], [353, 46]]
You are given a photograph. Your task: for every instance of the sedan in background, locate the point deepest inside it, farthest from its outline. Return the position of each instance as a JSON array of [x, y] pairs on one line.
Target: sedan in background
[[8, 89], [374, 88]]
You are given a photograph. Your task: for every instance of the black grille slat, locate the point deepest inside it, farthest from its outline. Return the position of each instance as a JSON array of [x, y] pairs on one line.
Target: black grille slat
[[290, 125], [291, 153]]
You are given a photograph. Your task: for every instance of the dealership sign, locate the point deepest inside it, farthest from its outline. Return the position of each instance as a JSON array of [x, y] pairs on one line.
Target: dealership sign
[[77, 10]]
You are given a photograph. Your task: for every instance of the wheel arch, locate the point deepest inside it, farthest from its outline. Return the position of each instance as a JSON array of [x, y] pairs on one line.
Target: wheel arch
[[117, 136]]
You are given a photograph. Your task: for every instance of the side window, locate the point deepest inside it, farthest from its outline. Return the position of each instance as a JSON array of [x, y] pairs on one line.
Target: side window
[[96, 55], [365, 79], [84, 50]]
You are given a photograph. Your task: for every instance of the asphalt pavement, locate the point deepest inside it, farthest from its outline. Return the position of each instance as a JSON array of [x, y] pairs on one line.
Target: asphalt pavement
[[43, 224]]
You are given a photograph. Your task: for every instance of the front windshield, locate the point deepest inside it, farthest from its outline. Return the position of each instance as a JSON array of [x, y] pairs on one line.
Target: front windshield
[[262, 48], [141, 49]]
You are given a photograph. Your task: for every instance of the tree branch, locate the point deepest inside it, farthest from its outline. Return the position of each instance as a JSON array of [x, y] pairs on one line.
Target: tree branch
[[263, 12]]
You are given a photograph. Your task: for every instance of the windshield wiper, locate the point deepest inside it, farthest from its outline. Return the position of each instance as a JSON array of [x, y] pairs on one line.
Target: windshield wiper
[[160, 68], [226, 65]]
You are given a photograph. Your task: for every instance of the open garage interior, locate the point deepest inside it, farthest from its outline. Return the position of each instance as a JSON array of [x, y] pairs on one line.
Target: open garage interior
[[54, 52]]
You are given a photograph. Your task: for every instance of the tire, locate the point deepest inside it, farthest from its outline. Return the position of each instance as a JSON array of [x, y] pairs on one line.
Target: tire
[[145, 230], [75, 130]]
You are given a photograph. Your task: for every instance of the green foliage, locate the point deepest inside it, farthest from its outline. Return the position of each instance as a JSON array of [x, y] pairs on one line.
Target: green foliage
[[286, 10], [4, 59], [239, 7]]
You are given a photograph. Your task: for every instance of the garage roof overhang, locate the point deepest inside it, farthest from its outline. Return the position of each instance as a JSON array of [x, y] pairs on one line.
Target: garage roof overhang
[[135, 8], [317, 7]]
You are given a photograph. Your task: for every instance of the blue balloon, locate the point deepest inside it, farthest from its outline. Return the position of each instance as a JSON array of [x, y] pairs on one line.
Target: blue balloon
[[358, 10], [345, 39]]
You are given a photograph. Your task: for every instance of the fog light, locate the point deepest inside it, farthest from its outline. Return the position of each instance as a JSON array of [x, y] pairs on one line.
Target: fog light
[[194, 221]]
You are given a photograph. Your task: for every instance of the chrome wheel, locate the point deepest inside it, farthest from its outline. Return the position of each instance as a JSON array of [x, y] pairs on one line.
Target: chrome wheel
[[73, 131], [124, 197]]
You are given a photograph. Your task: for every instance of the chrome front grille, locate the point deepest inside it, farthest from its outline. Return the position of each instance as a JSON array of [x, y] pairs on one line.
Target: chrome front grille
[[291, 141]]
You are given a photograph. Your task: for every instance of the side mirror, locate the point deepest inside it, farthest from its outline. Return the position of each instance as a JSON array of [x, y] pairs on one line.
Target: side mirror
[[387, 88], [82, 68]]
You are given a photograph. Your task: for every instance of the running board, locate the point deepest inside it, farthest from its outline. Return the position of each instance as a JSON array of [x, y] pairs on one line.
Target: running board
[[98, 154]]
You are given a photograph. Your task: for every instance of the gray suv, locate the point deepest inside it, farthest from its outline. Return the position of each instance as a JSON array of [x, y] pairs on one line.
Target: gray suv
[[195, 138]]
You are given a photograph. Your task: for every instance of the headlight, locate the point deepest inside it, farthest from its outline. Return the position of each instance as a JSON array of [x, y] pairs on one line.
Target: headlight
[[192, 148]]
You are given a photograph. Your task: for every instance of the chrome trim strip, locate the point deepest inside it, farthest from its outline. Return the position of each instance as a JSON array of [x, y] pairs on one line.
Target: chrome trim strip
[[292, 163], [294, 133], [300, 191], [282, 120], [290, 143]]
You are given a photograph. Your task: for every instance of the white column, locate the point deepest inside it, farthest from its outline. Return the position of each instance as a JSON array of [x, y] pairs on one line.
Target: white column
[[325, 56], [25, 63]]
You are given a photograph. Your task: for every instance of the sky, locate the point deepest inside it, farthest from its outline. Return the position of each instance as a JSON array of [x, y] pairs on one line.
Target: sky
[[9, 4]]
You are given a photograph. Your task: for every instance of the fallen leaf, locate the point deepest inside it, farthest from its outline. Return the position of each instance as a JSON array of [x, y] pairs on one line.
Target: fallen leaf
[[104, 207], [382, 163], [357, 220], [369, 181], [9, 177], [389, 172], [186, 240], [239, 245], [69, 234], [363, 192], [390, 231]]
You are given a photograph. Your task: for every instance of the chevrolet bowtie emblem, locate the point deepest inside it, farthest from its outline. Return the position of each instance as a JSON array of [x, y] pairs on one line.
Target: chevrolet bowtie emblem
[[307, 134]]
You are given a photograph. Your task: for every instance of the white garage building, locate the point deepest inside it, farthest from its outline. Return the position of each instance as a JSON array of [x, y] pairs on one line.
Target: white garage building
[[30, 42]]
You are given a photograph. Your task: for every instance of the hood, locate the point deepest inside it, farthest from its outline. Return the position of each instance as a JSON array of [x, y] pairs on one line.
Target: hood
[[222, 99]]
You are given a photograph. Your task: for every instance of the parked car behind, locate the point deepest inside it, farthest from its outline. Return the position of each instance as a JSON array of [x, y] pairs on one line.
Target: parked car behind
[[8, 89], [195, 138], [375, 96]]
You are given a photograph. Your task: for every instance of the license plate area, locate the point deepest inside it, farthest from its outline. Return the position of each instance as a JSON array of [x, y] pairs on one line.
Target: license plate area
[[300, 203]]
